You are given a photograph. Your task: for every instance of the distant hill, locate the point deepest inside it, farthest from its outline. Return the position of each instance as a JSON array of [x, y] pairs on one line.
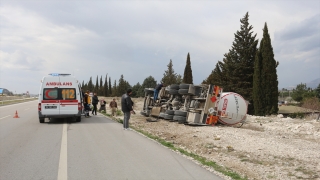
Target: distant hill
[[313, 84]]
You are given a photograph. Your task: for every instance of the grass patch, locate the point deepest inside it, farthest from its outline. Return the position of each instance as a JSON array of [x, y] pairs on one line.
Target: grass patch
[[3, 103]]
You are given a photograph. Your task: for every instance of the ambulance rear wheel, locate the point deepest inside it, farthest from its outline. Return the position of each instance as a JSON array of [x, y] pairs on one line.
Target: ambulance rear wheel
[[78, 119], [41, 120]]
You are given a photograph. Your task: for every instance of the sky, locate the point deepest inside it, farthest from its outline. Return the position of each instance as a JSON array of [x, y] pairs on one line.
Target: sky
[[137, 39]]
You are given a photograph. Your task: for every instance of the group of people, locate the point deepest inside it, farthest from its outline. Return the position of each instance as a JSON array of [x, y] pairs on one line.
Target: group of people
[[126, 104], [87, 104]]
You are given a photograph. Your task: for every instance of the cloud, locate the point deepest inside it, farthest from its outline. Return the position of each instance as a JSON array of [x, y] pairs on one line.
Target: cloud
[[20, 61]]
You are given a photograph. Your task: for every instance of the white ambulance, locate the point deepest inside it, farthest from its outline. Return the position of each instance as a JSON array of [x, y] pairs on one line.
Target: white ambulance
[[60, 97]]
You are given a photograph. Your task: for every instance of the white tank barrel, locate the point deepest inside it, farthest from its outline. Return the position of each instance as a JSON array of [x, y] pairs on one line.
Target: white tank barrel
[[233, 108]]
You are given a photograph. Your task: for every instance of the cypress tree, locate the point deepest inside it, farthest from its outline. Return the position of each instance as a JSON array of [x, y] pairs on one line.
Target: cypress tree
[[96, 87], [258, 85], [187, 76], [269, 74], [101, 87], [110, 87], [114, 89], [106, 89]]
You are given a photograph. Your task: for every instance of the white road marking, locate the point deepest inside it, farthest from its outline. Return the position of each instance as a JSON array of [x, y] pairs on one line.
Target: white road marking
[[63, 162], [4, 117], [27, 109]]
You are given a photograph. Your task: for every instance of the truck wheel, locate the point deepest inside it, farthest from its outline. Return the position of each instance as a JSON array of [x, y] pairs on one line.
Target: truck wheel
[[173, 91], [174, 86], [143, 113], [41, 120], [161, 115], [184, 86], [170, 112], [180, 119], [168, 116], [149, 90], [78, 119], [183, 91], [180, 113]]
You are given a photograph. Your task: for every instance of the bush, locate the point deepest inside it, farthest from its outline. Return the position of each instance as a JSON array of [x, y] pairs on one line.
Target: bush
[[118, 112], [297, 115], [311, 103]]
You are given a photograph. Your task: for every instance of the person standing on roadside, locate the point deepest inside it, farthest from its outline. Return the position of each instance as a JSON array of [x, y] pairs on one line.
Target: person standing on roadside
[[86, 104], [126, 107], [95, 101], [113, 106]]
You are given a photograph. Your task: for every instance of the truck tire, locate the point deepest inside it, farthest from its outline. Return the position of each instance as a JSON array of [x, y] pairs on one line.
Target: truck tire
[[173, 92], [170, 112], [143, 113], [78, 119], [180, 119], [184, 86], [149, 91], [183, 91], [168, 116], [161, 115], [180, 113], [41, 120], [174, 86]]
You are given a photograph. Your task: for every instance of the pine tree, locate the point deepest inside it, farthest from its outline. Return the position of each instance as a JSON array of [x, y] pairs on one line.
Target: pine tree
[[238, 64], [90, 85], [110, 87], [122, 86], [149, 82], [106, 89], [82, 86], [269, 71], [187, 76], [179, 79], [215, 77], [169, 77], [137, 91]]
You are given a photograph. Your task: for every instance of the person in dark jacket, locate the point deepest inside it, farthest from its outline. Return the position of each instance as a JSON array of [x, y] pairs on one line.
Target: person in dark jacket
[[126, 107], [95, 101], [156, 92]]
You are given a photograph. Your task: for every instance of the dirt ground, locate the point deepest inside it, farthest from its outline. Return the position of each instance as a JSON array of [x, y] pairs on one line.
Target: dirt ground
[[263, 148]]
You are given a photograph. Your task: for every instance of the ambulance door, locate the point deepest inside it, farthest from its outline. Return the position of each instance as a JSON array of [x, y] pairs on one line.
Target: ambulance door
[[68, 100], [50, 104]]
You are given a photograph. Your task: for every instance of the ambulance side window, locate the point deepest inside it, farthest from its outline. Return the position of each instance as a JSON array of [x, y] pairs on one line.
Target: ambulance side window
[[50, 93]]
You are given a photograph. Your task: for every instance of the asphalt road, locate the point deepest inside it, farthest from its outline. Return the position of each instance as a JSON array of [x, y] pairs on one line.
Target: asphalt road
[[96, 148]]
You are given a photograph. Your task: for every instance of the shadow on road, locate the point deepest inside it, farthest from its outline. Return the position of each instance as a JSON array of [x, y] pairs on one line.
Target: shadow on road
[[84, 120]]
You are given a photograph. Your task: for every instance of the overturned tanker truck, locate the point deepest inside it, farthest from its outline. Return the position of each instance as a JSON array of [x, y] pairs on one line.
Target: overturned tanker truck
[[195, 105]]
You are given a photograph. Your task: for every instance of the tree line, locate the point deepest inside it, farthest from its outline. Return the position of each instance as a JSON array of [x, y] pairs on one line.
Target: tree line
[[103, 87], [245, 69]]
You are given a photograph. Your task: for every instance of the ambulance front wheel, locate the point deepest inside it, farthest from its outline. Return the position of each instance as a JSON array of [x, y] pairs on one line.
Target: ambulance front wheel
[[41, 120]]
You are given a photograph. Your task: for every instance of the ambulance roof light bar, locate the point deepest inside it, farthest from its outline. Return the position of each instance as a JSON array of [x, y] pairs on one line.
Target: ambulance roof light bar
[[59, 74]]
